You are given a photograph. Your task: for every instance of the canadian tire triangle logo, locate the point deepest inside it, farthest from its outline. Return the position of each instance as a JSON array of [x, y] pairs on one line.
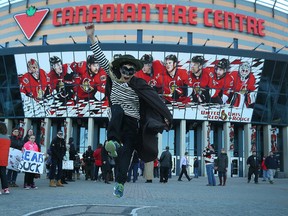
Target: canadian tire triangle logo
[[30, 21]]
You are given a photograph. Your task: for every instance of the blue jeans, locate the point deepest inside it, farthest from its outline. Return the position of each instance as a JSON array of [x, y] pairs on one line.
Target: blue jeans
[[210, 174], [133, 168], [265, 175], [196, 172]]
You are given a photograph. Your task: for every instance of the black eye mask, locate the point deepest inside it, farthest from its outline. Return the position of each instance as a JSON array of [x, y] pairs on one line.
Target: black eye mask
[[127, 71]]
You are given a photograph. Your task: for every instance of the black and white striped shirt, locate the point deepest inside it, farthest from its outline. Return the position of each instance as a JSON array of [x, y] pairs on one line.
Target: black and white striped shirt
[[121, 93]]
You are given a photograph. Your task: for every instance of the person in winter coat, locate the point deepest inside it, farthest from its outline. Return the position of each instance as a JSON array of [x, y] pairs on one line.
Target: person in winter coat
[[264, 169], [89, 163], [4, 153], [271, 164], [72, 156], [221, 165], [29, 177], [209, 156], [137, 111], [254, 165], [165, 165], [98, 161], [58, 151], [196, 167], [16, 143]]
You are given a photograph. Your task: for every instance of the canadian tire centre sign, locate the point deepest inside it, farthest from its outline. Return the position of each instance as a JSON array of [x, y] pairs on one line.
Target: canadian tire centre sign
[[30, 21]]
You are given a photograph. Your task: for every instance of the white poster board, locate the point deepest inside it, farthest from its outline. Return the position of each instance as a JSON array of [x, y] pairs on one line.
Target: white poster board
[[15, 156], [32, 162], [68, 165]]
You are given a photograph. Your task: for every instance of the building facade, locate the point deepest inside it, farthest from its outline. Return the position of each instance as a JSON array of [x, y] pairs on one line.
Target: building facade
[[254, 116]]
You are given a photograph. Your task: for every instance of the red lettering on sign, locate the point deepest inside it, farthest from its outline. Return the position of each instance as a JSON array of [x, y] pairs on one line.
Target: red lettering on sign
[[55, 17], [261, 27], [108, 13], [145, 7], [251, 25], [160, 8], [240, 18], [67, 15], [229, 18], [192, 15], [218, 18], [206, 17], [80, 11], [129, 12], [180, 13], [94, 14]]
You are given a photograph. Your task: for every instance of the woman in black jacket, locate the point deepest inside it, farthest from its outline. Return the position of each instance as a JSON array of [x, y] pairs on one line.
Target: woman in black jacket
[[221, 165]]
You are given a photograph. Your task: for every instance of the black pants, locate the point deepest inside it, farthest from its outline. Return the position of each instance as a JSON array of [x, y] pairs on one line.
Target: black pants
[[29, 179], [164, 173], [253, 171], [3, 177], [125, 129], [183, 171]]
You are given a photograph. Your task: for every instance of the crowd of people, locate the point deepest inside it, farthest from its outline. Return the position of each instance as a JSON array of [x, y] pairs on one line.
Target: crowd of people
[[99, 166]]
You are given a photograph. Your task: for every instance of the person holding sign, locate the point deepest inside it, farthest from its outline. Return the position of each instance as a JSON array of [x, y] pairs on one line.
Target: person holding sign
[[4, 153], [29, 177]]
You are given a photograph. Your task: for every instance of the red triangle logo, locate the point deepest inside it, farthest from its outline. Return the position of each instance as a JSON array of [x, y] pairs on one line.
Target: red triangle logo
[[30, 21]]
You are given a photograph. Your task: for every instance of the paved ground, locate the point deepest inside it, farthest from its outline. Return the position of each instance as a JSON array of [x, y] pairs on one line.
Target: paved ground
[[175, 198]]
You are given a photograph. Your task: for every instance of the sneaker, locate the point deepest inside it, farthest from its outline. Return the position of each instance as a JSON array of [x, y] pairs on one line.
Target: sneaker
[[111, 147], [34, 187], [118, 190], [271, 182], [27, 187], [6, 191]]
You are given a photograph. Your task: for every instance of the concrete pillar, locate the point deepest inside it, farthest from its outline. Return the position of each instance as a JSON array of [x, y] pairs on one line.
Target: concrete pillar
[[203, 144], [90, 131], [182, 137], [226, 146], [47, 138], [69, 129], [247, 147], [266, 139], [27, 125], [9, 125], [285, 150], [160, 145]]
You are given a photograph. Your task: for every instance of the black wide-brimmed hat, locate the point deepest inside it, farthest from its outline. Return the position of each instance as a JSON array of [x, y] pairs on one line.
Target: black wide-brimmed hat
[[119, 60]]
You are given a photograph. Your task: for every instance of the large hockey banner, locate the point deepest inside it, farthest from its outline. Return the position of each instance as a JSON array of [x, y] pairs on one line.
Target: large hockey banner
[[193, 85]]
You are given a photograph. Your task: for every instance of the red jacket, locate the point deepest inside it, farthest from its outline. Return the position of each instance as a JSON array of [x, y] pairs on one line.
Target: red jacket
[[4, 149], [97, 156]]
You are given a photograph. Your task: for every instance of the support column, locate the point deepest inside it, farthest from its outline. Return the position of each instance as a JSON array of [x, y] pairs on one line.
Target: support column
[[47, 140], [27, 125], [90, 131], [9, 125], [160, 145], [203, 144], [68, 135], [69, 129], [226, 146], [182, 137], [246, 147], [266, 140], [285, 150]]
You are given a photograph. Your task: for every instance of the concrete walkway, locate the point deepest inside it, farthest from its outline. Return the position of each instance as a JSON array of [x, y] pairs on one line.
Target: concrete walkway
[[142, 199]]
